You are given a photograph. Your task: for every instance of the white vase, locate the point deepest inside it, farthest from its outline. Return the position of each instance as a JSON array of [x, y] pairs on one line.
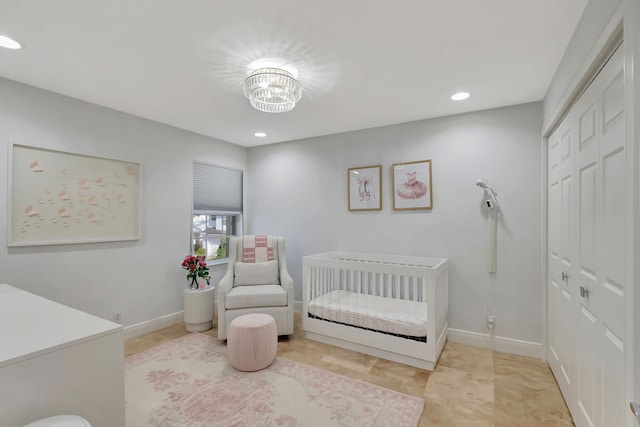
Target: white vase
[[199, 306]]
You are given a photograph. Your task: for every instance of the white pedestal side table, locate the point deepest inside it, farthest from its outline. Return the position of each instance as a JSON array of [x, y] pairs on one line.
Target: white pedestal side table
[[199, 308]]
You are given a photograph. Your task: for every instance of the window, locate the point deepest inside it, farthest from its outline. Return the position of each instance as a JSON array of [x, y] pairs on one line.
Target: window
[[211, 233], [217, 209]]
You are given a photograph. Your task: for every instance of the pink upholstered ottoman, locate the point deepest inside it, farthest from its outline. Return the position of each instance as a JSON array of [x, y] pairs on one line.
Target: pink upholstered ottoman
[[252, 341]]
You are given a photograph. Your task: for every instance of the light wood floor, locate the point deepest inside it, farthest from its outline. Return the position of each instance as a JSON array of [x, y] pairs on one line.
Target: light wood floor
[[470, 386]]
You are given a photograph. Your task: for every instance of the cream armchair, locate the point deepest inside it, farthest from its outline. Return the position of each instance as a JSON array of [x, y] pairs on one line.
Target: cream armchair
[[256, 287]]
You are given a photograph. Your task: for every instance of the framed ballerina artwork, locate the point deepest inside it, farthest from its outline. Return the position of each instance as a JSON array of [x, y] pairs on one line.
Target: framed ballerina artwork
[[59, 198], [412, 185], [363, 190]]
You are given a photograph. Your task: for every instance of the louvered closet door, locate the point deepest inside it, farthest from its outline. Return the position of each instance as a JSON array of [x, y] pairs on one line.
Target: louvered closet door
[[587, 309]]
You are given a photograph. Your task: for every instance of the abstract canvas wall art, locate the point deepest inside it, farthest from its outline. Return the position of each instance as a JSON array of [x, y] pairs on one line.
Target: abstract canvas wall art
[[58, 197]]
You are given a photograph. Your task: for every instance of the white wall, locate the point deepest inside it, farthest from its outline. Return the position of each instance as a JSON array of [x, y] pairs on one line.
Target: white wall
[[142, 279], [298, 190]]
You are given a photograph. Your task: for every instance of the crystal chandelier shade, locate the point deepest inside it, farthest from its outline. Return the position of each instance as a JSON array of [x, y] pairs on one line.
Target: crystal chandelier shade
[[272, 90]]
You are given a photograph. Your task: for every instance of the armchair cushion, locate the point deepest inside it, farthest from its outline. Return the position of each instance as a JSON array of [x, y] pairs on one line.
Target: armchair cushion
[[257, 248], [256, 296], [256, 273]]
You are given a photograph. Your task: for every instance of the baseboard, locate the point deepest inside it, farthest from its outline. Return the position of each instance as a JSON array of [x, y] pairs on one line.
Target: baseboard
[[152, 325], [142, 328], [505, 345]]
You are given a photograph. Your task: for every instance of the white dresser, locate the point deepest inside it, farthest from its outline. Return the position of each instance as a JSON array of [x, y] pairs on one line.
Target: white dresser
[[58, 360]]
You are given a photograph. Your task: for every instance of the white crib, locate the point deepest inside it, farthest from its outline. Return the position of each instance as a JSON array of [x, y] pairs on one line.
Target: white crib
[[388, 306]]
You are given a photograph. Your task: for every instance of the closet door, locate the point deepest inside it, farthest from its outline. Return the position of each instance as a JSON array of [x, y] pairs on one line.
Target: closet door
[[601, 249], [561, 312], [590, 364]]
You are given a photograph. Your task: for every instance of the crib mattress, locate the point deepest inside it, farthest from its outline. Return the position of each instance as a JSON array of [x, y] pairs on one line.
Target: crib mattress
[[389, 315]]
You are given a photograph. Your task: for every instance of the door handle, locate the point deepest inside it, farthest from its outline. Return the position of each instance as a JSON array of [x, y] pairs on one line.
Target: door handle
[[584, 292], [635, 408]]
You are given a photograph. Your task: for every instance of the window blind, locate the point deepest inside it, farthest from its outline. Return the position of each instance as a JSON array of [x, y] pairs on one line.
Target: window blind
[[216, 188]]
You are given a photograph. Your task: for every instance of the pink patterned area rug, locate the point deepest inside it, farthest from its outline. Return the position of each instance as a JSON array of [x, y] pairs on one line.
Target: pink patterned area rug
[[188, 382]]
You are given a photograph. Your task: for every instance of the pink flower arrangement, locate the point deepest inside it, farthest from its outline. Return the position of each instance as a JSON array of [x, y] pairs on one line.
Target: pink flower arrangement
[[196, 266]]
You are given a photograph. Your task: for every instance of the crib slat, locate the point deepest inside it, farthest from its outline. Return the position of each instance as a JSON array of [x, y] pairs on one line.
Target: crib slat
[[366, 281], [414, 288]]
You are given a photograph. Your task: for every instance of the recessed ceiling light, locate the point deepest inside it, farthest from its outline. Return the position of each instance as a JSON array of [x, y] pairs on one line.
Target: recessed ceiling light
[[260, 134], [460, 96], [9, 43]]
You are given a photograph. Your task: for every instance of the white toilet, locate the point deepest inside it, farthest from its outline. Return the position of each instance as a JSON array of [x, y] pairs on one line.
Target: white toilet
[[61, 421]]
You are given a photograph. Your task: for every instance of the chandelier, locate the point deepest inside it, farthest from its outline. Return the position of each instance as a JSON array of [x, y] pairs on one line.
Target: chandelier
[[272, 90]]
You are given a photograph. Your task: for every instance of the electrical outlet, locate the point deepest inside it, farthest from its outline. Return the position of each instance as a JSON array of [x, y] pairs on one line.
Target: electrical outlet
[[117, 317], [491, 322]]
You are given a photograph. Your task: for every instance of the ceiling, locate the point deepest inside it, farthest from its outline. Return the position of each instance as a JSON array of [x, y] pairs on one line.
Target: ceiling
[[362, 63]]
